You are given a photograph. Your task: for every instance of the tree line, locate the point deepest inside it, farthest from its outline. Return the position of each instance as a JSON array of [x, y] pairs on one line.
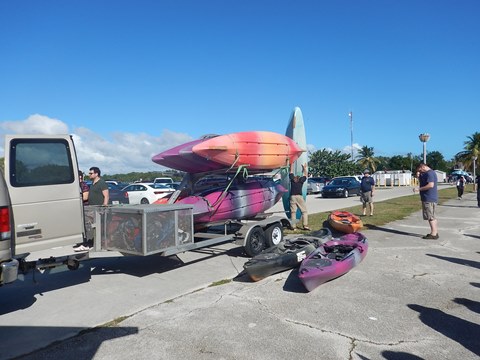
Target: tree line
[[335, 163]]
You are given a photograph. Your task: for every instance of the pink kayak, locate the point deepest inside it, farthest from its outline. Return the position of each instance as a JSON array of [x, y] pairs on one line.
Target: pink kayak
[[333, 259]]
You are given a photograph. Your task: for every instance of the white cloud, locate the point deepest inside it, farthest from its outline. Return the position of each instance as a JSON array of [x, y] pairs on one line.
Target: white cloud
[[122, 153], [35, 124]]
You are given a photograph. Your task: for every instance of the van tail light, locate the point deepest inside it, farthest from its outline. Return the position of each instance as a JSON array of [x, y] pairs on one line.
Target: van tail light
[[5, 223]]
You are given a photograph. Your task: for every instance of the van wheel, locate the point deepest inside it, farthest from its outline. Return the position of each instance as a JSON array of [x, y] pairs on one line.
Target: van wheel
[[255, 242], [144, 201], [274, 234]]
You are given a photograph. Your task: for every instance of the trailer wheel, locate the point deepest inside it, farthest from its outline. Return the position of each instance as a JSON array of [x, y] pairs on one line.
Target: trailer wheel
[[255, 242], [274, 234]]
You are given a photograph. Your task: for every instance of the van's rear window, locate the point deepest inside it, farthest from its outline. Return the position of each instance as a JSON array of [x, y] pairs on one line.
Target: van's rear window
[[40, 162]]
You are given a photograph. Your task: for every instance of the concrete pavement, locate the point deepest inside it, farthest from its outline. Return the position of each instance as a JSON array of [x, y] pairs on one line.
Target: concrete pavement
[[409, 299]]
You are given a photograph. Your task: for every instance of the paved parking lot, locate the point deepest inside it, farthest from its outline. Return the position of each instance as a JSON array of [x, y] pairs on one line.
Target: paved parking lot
[[409, 299]]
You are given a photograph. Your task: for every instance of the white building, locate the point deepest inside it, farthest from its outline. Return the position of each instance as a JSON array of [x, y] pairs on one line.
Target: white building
[[393, 178]]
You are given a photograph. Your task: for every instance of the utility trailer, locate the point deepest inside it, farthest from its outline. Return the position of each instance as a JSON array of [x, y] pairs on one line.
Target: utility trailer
[[144, 230]]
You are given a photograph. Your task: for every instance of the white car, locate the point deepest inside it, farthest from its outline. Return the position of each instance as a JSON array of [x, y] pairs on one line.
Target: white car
[[146, 193]]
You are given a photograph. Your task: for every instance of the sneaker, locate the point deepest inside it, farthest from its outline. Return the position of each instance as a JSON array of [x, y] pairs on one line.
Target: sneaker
[[430, 237], [81, 248], [306, 228]]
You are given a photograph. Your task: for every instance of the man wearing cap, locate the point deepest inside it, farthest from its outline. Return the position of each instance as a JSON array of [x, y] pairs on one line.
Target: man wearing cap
[[367, 185]]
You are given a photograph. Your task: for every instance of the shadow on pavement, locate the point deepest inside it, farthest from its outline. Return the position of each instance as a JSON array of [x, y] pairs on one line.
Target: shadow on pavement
[[462, 331], [393, 231], [83, 346], [293, 283], [22, 294], [399, 355], [471, 263], [469, 304], [473, 236]]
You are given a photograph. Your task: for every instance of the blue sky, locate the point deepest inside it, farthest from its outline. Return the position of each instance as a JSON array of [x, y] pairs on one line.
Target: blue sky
[[132, 78]]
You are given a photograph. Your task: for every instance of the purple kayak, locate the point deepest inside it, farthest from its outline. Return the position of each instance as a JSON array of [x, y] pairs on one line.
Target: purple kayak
[[242, 200], [182, 158], [332, 259]]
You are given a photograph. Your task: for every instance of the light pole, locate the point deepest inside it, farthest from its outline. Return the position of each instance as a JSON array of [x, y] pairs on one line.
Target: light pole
[[474, 176], [350, 115], [424, 138]]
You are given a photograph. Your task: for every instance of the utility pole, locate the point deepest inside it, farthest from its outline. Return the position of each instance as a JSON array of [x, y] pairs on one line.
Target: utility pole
[[350, 115]]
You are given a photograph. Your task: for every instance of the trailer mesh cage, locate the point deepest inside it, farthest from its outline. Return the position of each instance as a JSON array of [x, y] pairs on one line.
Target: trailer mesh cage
[[139, 229]]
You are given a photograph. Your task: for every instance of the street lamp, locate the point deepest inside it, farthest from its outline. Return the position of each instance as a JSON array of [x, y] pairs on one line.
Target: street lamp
[[350, 115], [474, 158], [424, 138]]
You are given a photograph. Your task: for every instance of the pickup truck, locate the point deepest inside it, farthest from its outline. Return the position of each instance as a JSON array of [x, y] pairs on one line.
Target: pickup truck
[[42, 216]]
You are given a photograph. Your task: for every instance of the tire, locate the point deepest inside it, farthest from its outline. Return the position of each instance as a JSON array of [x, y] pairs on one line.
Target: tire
[[274, 234], [345, 193], [255, 242], [144, 201], [73, 265]]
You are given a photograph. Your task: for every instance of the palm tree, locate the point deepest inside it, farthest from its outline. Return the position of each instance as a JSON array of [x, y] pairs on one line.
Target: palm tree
[[472, 149], [366, 158]]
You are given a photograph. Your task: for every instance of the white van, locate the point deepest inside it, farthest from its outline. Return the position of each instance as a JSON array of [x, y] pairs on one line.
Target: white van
[[163, 180]]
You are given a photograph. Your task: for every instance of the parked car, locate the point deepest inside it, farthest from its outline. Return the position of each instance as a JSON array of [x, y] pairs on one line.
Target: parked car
[[146, 193], [313, 187], [116, 195], [175, 185], [321, 179], [342, 186], [163, 180]]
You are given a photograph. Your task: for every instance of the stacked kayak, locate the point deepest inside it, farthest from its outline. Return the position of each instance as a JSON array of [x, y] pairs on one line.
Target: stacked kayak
[[288, 254], [345, 221], [258, 150], [332, 259], [230, 156]]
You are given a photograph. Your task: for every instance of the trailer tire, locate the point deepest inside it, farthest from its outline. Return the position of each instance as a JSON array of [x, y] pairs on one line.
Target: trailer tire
[[255, 242], [274, 234], [73, 265]]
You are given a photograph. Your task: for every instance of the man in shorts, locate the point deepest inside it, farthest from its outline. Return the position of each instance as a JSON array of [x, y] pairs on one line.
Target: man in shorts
[[429, 197], [367, 185]]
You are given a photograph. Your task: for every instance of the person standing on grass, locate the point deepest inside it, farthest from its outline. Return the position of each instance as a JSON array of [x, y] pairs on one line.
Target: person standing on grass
[[296, 196], [367, 185], [429, 197]]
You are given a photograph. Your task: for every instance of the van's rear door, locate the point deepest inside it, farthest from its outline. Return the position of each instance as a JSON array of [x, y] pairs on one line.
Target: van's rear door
[[41, 172]]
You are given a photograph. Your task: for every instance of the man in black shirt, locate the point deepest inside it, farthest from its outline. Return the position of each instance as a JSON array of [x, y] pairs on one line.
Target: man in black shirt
[[296, 196]]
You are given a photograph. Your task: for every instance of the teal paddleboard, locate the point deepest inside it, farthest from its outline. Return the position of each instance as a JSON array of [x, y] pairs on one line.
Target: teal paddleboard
[[296, 131]]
